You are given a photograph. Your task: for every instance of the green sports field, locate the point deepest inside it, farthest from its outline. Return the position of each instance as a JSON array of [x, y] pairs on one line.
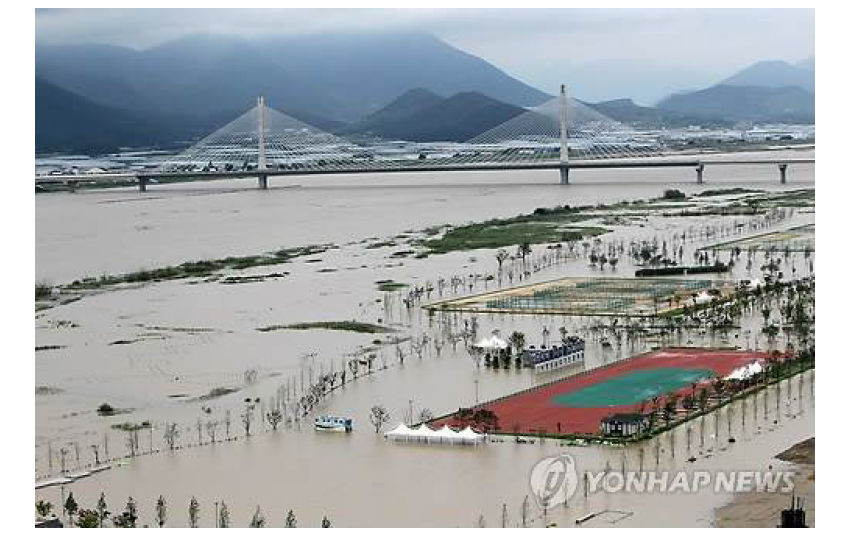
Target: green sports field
[[630, 389]]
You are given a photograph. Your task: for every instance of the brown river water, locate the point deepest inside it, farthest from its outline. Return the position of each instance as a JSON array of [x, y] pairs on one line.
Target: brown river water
[[177, 340]]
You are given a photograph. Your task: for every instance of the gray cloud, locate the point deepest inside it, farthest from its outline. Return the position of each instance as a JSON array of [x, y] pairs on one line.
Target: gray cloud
[[602, 53]]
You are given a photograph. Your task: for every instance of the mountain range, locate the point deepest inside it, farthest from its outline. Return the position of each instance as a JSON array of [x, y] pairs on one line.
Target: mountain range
[[421, 115], [410, 86], [338, 77]]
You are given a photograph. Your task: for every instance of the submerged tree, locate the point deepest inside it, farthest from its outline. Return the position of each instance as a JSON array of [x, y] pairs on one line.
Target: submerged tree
[[274, 418], [193, 513], [290, 520], [379, 416], [161, 511], [70, 506], [171, 434], [88, 519], [247, 418], [102, 509], [128, 517], [258, 520], [43, 508], [223, 516]]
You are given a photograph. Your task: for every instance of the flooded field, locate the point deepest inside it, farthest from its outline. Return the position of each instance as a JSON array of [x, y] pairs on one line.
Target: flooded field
[[193, 350]]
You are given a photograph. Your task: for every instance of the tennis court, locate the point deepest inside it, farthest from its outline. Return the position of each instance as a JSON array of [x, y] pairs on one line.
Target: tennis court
[[576, 405], [578, 296]]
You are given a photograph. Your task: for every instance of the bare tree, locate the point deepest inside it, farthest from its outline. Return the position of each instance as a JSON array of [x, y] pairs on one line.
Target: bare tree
[[193, 513], [290, 520], [199, 431], [171, 434], [258, 520], [425, 415], [161, 511], [132, 440], [247, 418], [223, 516], [379, 416], [274, 417], [212, 429], [102, 511]]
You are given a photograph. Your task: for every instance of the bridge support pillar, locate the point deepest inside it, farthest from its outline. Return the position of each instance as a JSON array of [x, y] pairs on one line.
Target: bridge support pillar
[[783, 168], [564, 175], [142, 184], [263, 182], [700, 169]]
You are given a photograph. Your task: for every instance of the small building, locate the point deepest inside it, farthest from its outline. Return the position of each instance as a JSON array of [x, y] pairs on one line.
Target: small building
[[545, 359], [51, 522], [624, 424]]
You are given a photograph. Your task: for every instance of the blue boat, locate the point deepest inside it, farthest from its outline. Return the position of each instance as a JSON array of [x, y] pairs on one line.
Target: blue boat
[[328, 423]]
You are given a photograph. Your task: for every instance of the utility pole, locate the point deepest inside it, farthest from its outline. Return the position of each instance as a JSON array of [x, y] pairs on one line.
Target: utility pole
[[564, 171]]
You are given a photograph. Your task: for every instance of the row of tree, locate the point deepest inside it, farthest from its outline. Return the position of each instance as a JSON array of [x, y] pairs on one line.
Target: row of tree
[[99, 516]]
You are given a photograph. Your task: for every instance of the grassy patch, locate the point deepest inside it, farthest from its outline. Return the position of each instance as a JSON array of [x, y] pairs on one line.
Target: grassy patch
[[346, 325], [381, 244], [727, 191], [43, 291], [46, 347], [203, 268], [218, 392], [495, 234], [389, 285], [45, 390]]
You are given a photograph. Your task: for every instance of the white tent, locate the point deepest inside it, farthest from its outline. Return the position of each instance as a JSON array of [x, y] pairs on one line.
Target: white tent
[[425, 434], [703, 297], [492, 343], [754, 284], [469, 436], [400, 432], [745, 372], [446, 435]]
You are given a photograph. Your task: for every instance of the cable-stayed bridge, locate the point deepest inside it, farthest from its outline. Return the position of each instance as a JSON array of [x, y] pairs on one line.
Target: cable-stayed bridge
[[562, 134]]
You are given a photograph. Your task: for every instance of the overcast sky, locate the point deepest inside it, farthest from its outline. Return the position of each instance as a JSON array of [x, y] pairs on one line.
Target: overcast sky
[[600, 53]]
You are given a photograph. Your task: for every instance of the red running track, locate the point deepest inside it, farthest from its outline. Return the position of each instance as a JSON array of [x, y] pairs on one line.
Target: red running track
[[534, 411]]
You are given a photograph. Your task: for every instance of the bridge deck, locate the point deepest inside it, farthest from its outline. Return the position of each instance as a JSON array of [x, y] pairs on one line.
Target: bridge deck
[[586, 164]]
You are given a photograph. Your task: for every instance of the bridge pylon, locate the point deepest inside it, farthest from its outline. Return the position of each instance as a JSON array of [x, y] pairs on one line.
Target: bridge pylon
[[564, 171], [263, 157]]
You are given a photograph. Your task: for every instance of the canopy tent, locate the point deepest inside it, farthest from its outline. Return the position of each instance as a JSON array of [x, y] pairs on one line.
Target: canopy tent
[[703, 297], [444, 435], [400, 432], [492, 343], [745, 372], [754, 284]]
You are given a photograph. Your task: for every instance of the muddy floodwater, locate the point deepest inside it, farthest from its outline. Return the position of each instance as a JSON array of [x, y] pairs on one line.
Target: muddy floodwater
[[155, 351]]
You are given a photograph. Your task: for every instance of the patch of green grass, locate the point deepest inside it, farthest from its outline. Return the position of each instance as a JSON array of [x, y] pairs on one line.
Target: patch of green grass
[[727, 191], [202, 268], [495, 234], [389, 285], [43, 291], [46, 347], [346, 325], [381, 244]]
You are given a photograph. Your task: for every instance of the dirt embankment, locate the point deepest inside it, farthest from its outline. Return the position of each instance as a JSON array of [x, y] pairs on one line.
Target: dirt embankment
[[762, 509]]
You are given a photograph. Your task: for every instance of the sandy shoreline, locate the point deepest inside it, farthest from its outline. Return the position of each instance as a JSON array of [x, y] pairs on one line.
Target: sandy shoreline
[[762, 509]]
